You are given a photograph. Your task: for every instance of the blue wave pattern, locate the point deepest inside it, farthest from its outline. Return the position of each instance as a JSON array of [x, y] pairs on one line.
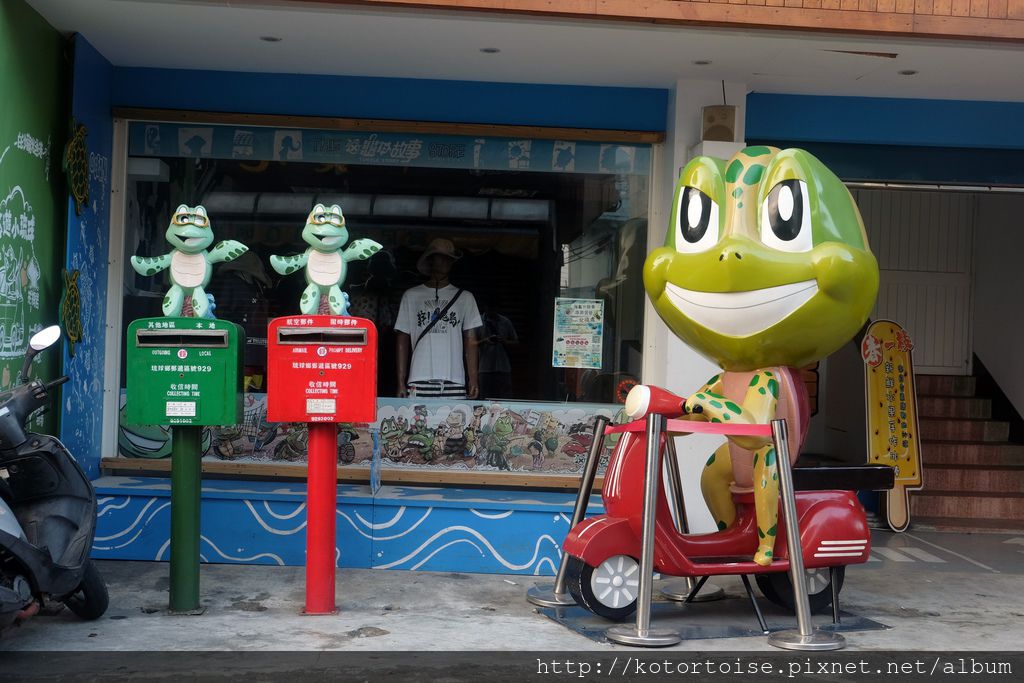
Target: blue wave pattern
[[481, 533]]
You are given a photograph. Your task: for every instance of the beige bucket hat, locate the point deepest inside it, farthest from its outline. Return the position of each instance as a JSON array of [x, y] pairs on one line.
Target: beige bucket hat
[[438, 245]]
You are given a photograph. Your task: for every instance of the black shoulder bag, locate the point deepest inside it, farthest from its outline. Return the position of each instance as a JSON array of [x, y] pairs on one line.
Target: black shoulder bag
[[436, 318]]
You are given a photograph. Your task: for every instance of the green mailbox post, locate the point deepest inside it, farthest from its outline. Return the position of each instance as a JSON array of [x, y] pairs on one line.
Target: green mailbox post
[[185, 373]]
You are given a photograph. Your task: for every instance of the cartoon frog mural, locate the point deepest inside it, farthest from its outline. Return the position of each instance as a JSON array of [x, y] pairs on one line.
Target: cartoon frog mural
[[324, 262], [498, 441], [391, 431], [190, 234], [455, 441], [765, 268], [547, 433]]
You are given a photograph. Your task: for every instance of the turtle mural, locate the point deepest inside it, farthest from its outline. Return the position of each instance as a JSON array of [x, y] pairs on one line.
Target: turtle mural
[[324, 261], [190, 233], [71, 309], [76, 166]]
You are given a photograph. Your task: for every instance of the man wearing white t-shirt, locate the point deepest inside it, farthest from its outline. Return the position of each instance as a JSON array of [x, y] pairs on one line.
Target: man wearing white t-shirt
[[438, 322]]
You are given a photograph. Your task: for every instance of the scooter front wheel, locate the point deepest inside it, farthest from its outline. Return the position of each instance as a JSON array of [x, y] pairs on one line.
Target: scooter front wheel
[[90, 599], [608, 590], [778, 588]]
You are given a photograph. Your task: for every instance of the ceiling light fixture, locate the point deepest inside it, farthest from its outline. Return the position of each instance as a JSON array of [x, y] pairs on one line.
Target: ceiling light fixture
[[907, 72], [490, 50], [270, 39], [701, 62]]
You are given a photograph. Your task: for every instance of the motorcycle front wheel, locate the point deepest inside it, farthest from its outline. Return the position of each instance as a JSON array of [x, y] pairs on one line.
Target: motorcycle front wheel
[[609, 590], [90, 599]]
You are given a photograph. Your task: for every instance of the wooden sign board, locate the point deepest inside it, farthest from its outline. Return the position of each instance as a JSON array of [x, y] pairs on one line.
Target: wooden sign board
[[893, 431]]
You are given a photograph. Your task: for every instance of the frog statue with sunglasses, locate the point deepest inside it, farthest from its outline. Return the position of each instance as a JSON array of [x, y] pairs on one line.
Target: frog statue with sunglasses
[[190, 262], [324, 261]]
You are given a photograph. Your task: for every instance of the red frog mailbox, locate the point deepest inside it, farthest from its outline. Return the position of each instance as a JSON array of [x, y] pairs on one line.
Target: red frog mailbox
[[322, 371]]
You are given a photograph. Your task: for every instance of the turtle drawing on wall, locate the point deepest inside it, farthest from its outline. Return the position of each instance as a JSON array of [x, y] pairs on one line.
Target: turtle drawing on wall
[[76, 166], [71, 309]]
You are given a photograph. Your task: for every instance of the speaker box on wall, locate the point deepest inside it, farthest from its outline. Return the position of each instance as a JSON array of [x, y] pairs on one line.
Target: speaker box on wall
[[719, 123]]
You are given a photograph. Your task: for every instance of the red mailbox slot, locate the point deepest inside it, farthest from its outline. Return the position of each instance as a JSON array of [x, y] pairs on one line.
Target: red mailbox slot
[[322, 371], [322, 368]]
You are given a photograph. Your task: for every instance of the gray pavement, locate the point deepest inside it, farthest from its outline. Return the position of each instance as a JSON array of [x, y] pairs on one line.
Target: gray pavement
[[935, 591]]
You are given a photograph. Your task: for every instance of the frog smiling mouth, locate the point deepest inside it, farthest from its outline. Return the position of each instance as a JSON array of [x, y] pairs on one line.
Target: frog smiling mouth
[[741, 314]]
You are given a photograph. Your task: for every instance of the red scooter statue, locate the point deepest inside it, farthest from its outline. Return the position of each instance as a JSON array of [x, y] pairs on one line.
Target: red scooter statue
[[602, 574]]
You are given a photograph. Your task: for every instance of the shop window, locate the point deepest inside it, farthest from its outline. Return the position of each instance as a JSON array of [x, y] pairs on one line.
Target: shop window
[[547, 230]]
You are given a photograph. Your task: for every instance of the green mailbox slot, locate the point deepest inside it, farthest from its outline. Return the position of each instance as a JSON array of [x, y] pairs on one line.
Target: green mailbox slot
[[184, 371]]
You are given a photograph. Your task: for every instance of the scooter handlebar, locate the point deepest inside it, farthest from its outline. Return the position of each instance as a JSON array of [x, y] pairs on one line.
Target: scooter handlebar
[[647, 399], [57, 382]]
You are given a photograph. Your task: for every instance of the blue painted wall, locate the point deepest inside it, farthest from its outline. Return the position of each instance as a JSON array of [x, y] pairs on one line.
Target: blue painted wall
[[881, 121], [411, 528], [392, 98], [87, 251]]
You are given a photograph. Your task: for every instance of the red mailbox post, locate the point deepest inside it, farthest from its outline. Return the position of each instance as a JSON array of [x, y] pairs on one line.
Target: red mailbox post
[[322, 370]]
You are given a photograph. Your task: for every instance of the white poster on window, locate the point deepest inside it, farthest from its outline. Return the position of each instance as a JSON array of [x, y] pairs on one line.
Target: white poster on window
[[578, 334]]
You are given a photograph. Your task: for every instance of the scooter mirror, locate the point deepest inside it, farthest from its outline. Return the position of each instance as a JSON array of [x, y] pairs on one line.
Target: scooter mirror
[[44, 338]]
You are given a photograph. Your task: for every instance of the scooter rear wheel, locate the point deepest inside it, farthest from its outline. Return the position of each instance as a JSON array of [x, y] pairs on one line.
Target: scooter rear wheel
[[90, 599], [778, 588], [608, 590]]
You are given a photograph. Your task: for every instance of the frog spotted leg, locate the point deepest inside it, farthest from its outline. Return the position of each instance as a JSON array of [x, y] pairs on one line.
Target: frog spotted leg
[[200, 302], [758, 407], [173, 300], [766, 503], [337, 300], [150, 265], [309, 304], [714, 485]]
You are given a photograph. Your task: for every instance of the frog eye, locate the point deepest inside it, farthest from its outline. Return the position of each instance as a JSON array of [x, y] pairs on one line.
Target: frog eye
[[696, 222], [786, 217]]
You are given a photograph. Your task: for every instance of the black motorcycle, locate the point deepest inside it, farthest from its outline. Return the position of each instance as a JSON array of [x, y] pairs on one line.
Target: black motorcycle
[[47, 509]]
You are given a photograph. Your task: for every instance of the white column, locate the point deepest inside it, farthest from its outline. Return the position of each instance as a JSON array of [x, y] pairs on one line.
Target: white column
[[668, 362]]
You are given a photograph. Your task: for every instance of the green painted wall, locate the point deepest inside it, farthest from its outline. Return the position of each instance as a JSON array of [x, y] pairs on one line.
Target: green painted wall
[[33, 129]]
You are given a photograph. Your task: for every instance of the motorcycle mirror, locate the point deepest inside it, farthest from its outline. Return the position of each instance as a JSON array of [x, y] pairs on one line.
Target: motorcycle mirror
[[41, 340], [44, 338]]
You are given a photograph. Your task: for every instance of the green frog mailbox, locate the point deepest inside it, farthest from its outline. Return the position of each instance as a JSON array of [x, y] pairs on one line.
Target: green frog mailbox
[[184, 371], [189, 371]]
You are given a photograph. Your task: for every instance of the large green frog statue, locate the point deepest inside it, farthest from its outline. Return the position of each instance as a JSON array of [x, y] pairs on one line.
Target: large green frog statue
[[765, 268], [191, 265], [324, 261]]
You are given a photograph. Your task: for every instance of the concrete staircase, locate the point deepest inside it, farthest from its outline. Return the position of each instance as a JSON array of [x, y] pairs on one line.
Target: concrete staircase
[[973, 476]]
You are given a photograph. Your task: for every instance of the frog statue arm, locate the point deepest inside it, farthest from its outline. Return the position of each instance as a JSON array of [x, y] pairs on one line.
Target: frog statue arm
[[150, 265], [286, 265], [226, 250], [361, 250]]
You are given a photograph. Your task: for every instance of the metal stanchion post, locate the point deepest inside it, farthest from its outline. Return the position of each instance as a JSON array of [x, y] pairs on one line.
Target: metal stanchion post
[[641, 633], [806, 637], [556, 596], [681, 591]]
